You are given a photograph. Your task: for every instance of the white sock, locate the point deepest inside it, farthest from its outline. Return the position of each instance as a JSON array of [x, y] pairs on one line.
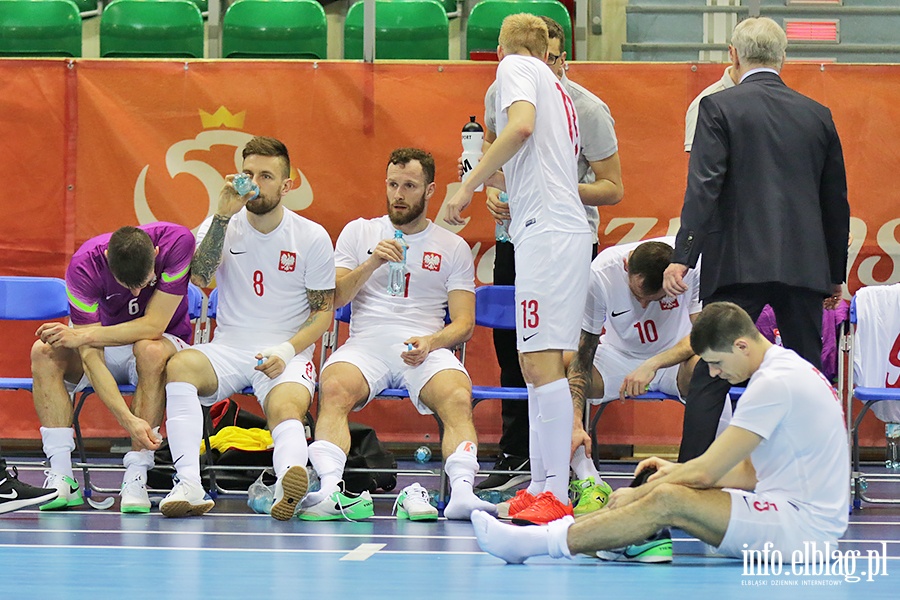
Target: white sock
[[184, 424], [558, 537], [583, 466], [59, 442], [538, 473], [290, 446], [512, 543], [461, 467], [137, 463], [554, 426], [328, 460]]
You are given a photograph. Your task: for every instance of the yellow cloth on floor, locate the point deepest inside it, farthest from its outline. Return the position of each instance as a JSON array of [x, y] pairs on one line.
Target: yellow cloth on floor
[[240, 438]]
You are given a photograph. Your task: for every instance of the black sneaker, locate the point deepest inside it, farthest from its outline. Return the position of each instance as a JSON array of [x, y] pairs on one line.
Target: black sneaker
[[15, 495], [522, 474]]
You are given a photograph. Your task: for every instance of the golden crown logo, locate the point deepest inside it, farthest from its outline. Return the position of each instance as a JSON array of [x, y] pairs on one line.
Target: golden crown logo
[[222, 118]]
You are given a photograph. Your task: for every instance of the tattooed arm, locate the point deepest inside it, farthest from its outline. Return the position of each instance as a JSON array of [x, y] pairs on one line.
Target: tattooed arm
[[580, 375], [321, 314], [209, 253]]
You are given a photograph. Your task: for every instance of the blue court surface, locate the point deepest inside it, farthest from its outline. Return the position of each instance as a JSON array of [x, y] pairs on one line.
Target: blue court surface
[[232, 553]]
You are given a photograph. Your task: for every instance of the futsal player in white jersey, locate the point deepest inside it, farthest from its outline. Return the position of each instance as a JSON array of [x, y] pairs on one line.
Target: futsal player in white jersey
[[537, 146], [634, 339], [777, 475], [275, 274], [400, 341]]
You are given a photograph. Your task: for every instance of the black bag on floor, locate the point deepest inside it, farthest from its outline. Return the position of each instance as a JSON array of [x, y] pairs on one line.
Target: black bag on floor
[[366, 452], [222, 414]]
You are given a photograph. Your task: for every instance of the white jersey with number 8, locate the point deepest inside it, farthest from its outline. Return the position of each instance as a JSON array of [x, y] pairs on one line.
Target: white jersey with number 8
[[263, 279]]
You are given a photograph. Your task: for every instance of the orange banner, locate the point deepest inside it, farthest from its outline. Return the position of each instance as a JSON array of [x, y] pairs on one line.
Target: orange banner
[[92, 145]]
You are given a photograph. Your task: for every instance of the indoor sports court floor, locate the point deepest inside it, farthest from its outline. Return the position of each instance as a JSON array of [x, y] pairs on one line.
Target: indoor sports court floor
[[232, 553]]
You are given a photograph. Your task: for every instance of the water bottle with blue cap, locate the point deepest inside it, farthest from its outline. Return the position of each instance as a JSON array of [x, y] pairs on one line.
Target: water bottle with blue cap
[[397, 270], [244, 184]]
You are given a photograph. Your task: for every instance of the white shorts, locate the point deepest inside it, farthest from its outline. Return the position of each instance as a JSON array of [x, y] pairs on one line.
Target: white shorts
[[236, 369], [383, 368], [552, 274], [122, 364], [760, 518], [614, 365]]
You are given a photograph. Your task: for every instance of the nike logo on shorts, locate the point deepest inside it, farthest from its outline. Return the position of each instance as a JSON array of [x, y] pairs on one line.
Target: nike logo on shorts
[[620, 313], [525, 338]]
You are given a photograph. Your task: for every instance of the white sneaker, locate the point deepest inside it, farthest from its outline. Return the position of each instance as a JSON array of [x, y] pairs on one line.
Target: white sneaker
[[69, 494], [134, 496], [289, 491], [414, 503], [186, 500]]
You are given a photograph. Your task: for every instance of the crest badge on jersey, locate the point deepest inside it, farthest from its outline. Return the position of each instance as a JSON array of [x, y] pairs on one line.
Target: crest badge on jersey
[[287, 262], [668, 303], [431, 261]]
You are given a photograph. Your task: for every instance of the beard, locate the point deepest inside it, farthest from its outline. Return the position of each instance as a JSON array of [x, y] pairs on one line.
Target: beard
[[414, 211], [262, 205]]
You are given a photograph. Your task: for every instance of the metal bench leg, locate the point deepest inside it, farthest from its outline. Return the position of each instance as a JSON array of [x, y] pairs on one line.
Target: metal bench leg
[[210, 461], [79, 443]]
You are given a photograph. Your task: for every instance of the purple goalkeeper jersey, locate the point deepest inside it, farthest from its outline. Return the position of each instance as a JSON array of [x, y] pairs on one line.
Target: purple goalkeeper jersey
[[96, 297]]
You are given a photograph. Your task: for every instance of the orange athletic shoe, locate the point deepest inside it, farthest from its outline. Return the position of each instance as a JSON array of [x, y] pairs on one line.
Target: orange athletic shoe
[[544, 509], [522, 500]]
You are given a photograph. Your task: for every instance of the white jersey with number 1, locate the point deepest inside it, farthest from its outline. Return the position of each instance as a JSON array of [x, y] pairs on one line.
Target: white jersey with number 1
[[635, 331], [263, 279], [438, 262]]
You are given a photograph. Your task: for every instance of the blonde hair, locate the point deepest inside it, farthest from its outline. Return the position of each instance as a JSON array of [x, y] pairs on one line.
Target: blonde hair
[[526, 32], [760, 41]]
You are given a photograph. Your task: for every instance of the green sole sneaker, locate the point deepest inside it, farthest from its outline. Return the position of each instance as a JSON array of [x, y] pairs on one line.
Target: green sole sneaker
[[73, 498], [134, 509], [339, 506], [414, 504], [656, 549]]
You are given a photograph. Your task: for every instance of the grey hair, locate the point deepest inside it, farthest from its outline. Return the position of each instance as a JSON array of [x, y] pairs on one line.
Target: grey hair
[[760, 41]]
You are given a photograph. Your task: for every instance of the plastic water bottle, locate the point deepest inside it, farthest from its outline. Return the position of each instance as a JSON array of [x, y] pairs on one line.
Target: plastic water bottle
[[260, 497], [314, 483], [472, 141], [892, 440], [422, 455], [495, 496], [501, 231], [397, 270], [244, 184]]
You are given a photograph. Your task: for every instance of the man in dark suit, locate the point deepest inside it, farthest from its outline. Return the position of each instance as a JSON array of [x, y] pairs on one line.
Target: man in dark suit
[[766, 206]]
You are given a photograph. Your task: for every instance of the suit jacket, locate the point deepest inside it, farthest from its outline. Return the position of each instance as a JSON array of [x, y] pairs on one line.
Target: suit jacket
[[766, 198]]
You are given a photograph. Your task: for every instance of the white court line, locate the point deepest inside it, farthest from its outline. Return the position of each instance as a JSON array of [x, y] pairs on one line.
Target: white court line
[[252, 550], [286, 534], [211, 515], [363, 552]]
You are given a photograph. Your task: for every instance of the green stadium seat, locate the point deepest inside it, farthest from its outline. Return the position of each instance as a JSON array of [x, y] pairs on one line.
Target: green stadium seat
[[486, 17], [87, 6], [151, 29], [404, 29], [39, 28], [275, 29]]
